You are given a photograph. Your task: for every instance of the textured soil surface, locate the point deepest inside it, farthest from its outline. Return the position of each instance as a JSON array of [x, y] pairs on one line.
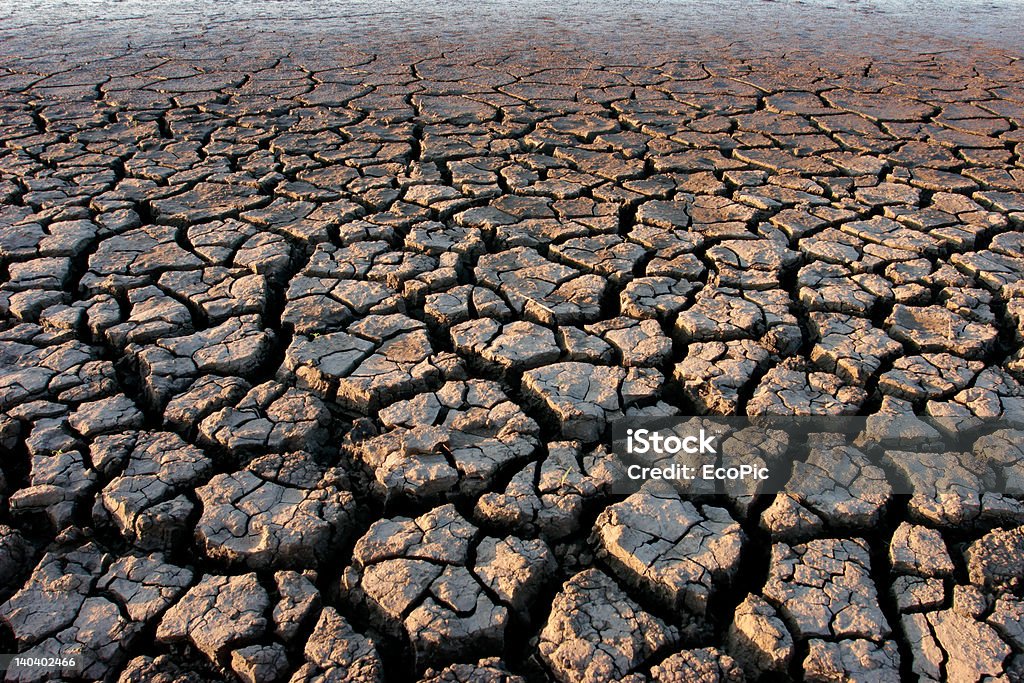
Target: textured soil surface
[[311, 333]]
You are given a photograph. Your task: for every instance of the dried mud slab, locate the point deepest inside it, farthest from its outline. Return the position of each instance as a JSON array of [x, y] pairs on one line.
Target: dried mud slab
[[82, 598], [439, 582], [547, 498], [583, 398], [836, 487], [455, 439], [596, 632], [281, 510], [824, 592], [670, 548]]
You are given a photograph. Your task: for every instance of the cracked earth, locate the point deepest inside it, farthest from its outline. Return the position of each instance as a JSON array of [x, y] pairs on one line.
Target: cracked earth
[[309, 357]]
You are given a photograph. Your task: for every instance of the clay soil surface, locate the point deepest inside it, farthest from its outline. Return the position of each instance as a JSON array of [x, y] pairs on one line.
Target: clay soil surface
[[314, 317]]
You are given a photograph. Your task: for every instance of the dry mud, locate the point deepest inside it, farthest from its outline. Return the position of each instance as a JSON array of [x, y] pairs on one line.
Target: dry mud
[[310, 342]]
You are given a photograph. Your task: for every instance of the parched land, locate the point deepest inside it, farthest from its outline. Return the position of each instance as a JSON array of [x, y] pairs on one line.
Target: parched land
[[308, 356]]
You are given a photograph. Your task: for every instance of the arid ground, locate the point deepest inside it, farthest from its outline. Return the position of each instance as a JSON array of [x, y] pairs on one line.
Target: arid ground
[[314, 318]]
